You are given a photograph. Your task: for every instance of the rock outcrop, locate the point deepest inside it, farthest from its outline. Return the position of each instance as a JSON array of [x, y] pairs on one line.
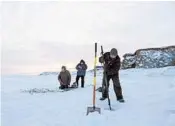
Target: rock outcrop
[[129, 61], [150, 58]]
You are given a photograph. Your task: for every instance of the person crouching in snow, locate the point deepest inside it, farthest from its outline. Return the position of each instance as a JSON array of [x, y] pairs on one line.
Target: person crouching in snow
[[64, 78], [81, 72]]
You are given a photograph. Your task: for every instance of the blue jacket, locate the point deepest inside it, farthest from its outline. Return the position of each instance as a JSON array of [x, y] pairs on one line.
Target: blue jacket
[[81, 69]]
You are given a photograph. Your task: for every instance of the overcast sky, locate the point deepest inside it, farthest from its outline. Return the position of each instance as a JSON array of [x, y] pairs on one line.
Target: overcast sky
[[43, 36]]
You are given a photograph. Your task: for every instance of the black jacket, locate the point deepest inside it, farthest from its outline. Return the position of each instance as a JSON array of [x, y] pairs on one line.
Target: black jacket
[[111, 66]]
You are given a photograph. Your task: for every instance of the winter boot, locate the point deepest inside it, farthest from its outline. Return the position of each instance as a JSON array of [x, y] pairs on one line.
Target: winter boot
[[102, 98], [120, 99]]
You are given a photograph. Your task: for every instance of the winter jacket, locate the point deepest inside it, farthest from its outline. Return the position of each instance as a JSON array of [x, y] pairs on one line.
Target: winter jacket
[[64, 78], [81, 69], [111, 66]]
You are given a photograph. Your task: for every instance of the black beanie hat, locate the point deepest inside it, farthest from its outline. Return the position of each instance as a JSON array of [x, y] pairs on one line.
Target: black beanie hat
[[63, 67], [114, 52]]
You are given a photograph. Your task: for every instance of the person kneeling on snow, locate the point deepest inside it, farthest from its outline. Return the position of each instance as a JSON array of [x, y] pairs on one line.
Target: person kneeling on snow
[[64, 78]]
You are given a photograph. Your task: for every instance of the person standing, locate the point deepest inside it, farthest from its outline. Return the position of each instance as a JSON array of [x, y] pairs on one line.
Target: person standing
[[64, 78], [81, 72], [112, 64]]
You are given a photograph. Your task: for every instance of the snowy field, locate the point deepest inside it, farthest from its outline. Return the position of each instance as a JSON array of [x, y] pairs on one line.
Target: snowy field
[[149, 95]]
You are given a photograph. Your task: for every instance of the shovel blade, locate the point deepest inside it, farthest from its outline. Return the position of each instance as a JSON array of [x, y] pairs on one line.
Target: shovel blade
[[93, 109]]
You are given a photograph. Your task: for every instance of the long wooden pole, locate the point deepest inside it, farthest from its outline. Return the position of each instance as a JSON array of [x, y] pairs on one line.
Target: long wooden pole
[[95, 61]]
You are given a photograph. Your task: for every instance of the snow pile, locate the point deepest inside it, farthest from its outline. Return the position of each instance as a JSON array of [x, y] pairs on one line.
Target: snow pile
[[149, 95], [150, 58]]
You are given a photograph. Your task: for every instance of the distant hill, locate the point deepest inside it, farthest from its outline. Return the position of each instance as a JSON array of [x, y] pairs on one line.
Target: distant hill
[[48, 73], [73, 72]]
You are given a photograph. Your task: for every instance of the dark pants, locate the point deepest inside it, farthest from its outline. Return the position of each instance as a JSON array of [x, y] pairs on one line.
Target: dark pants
[[116, 86], [82, 80], [63, 87]]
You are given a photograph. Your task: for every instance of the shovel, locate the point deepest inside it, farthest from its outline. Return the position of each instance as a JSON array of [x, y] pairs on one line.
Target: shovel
[[94, 108]]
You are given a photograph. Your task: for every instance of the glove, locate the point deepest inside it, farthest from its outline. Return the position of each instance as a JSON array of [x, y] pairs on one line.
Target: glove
[[101, 60], [61, 82], [79, 67]]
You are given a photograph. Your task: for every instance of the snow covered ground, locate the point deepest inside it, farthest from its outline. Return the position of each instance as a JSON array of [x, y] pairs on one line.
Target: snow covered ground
[[149, 95]]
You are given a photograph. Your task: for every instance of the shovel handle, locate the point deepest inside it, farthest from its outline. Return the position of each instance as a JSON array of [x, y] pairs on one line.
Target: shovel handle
[[95, 48], [94, 95]]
